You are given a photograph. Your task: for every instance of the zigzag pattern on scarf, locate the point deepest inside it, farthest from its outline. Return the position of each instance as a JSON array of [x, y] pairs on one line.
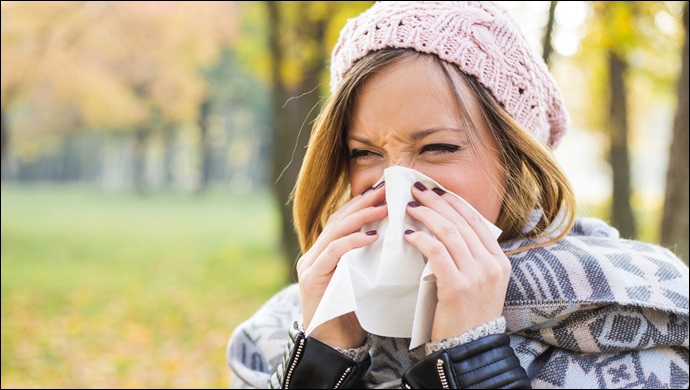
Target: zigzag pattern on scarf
[[592, 311]]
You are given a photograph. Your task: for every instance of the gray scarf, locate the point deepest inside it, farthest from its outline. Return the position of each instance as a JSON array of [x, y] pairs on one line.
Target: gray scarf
[[591, 311]]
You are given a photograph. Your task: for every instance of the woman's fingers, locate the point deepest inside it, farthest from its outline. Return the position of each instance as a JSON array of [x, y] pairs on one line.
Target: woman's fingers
[[349, 225], [470, 288], [350, 218], [315, 275], [448, 236], [477, 255], [472, 218], [459, 216], [372, 196], [448, 226], [326, 262], [441, 261], [315, 268], [472, 271]]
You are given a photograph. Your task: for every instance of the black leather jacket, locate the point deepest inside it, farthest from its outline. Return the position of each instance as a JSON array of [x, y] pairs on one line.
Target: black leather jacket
[[486, 363]]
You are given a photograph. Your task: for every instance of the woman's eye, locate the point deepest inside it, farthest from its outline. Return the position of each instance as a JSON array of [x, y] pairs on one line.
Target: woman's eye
[[440, 148], [358, 153]]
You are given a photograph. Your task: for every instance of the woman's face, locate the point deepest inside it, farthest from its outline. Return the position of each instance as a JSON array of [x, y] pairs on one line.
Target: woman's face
[[407, 115]]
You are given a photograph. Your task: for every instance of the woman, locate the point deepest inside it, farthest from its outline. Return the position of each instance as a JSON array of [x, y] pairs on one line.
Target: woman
[[452, 90]]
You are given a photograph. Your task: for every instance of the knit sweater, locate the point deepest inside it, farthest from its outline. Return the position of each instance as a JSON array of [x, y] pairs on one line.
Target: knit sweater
[[590, 311]]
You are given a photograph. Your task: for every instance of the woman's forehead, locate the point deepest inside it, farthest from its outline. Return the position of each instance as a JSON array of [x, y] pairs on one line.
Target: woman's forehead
[[416, 93]]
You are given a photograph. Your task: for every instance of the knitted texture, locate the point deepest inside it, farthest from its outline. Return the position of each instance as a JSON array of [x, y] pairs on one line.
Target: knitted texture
[[590, 311], [357, 354], [494, 326], [479, 37]]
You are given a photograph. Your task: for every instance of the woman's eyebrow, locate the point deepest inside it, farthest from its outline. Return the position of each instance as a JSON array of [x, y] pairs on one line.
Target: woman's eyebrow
[[416, 136], [360, 140]]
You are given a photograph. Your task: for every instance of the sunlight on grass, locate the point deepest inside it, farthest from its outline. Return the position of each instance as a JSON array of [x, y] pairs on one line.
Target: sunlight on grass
[[105, 290]]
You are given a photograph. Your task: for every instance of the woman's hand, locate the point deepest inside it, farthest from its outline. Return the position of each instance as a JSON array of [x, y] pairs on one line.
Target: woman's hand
[[472, 272], [315, 269]]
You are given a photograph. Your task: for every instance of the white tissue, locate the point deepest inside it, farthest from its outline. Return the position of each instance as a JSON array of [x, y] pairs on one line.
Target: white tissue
[[388, 284]]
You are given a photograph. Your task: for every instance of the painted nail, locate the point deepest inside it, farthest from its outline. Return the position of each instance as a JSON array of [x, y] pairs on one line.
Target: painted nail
[[379, 185], [412, 203], [381, 204], [408, 231], [438, 191], [367, 190], [420, 186], [371, 233]]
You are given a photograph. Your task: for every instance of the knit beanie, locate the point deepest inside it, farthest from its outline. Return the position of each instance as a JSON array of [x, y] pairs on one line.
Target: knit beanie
[[479, 37]]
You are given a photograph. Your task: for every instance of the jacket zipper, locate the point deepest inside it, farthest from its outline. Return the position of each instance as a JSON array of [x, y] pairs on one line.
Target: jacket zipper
[[293, 364], [342, 378], [442, 374]]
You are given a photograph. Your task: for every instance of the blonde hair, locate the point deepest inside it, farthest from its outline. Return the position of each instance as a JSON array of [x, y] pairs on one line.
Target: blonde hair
[[532, 179]]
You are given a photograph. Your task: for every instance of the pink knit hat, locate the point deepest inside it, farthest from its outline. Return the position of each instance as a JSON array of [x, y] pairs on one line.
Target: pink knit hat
[[479, 37]]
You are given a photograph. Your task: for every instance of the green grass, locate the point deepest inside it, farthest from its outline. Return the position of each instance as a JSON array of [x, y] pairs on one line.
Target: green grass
[[121, 290]]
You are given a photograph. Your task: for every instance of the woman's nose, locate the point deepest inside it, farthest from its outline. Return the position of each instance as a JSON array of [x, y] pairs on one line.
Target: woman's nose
[[401, 161]]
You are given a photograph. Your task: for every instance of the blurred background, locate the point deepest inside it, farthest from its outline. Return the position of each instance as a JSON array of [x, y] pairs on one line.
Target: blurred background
[[149, 149]]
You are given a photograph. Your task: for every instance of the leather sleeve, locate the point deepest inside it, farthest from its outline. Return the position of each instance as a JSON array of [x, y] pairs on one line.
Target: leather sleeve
[[311, 364], [486, 363]]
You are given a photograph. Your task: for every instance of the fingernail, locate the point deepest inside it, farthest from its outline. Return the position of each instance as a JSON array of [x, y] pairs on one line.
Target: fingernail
[[408, 231], [381, 204], [412, 203], [367, 190], [420, 186], [371, 233], [379, 185], [438, 191]]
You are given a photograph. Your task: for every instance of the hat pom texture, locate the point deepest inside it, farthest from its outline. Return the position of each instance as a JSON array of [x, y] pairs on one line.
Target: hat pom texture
[[479, 37]]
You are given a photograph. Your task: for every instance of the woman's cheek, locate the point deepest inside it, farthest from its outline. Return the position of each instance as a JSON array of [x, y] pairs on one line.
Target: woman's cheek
[[363, 179]]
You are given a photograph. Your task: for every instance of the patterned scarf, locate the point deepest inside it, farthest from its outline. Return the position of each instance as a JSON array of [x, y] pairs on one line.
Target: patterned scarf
[[591, 311]]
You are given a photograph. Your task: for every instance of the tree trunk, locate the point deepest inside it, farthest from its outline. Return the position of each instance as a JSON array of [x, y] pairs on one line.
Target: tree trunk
[[280, 146], [674, 225], [205, 147], [547, 47], [169, 136], [292, 116], [4, 139], [621, 212], [141, 138]]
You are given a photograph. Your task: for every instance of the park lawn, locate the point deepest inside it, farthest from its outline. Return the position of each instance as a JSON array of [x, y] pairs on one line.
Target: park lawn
[[124, 290]]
